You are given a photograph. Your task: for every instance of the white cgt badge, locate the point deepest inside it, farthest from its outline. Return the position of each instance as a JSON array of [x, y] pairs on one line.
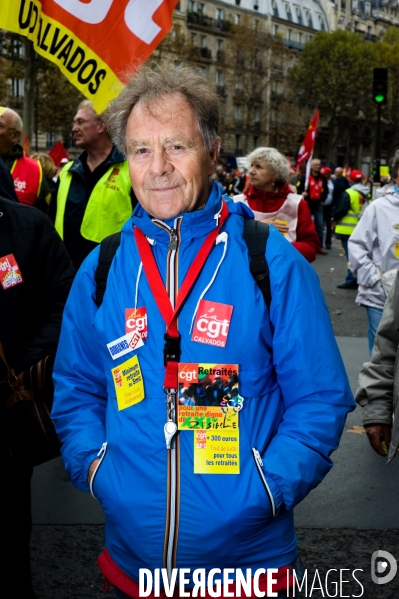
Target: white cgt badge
[[125, 344]]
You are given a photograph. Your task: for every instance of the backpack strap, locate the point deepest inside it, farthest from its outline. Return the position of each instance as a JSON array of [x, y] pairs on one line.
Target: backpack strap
[[256, 235], [108, 248]]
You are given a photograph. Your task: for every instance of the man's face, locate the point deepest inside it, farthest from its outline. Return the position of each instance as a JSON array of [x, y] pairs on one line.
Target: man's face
[[87, 129], [9, 135], [338, 172], [316, 166], [168, 164]]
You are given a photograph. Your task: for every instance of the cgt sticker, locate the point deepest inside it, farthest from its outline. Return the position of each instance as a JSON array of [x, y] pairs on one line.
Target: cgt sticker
[[212, 323], [10, 273], [136, 320]]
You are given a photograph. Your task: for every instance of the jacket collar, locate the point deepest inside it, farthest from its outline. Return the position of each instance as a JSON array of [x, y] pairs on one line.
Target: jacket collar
[[199, 222], [114, 157]]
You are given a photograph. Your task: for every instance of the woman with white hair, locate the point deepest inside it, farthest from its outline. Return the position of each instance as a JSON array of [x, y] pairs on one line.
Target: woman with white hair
[[272, 201]]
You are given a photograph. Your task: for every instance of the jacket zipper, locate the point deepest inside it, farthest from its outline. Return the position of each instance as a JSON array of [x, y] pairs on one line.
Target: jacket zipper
[[101, 455], [173, 496], [259, 465]]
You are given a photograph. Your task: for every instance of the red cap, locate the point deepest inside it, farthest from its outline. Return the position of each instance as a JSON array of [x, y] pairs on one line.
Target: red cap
[[356, 175], [325, 170]]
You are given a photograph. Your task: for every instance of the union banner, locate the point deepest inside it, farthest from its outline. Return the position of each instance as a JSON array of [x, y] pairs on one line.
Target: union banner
[[93, 42]]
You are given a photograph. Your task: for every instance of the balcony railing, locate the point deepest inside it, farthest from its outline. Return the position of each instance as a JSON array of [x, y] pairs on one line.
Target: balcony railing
[[292, 44], [195, 18]]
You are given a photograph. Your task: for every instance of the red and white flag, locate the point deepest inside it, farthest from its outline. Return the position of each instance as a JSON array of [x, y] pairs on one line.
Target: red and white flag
[[93, 42], [306, 150]]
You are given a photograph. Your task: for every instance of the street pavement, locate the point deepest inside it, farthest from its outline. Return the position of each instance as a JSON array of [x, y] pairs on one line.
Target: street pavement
[[351, 514]]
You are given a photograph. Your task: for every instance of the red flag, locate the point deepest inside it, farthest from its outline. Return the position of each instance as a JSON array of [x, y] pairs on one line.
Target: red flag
[[58, 152], [306, 150], [26, 144]]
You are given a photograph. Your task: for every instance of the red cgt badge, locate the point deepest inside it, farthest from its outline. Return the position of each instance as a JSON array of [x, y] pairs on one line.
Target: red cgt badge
[[10, 273], [212, 323], [136, 320]]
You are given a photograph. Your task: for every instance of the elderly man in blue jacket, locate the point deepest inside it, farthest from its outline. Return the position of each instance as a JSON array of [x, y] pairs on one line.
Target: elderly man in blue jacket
[[194, 487]]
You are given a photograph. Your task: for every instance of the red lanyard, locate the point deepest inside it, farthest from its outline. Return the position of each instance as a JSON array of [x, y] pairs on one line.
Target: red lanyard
[[172, 336]]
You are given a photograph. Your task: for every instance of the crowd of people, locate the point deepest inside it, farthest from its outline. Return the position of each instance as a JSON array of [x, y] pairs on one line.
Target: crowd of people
[[155, 152]]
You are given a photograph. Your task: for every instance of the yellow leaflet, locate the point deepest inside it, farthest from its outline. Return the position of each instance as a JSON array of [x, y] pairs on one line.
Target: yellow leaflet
[[128, 381], [81, 66], [216, 452], [396, 249]]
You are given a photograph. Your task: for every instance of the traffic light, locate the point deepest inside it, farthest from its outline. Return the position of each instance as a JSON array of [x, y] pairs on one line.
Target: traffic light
[[380, 86]]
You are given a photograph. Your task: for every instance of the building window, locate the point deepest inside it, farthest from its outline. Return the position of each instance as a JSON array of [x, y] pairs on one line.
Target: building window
[[204, 72], [203, 41], [256, 142], [201, 8], [220, 44], [367, 9], [17, 87], [191, 6], [256, 115], [300, 37], [237, 112], [289, 34], [219, 14], [256, 4], [50, 139], [274, 8], [298, 14], [288, 12], [194, 39], [238, 2], [238, 143], [275, 30], [219, 78], [237, 19], [17, 48]]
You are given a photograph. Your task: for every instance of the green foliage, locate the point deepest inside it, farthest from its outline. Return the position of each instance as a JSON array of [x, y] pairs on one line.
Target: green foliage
[[335, 73]]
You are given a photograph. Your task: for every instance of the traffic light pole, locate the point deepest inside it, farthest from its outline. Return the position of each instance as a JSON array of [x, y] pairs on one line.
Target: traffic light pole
[[377, 159]]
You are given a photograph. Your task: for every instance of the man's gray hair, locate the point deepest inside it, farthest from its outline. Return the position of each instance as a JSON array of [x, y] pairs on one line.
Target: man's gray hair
[[153, 83], [276, 161], [394, 165]]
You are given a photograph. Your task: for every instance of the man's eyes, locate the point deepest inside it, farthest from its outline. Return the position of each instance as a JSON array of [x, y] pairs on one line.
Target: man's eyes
[[172, 147]]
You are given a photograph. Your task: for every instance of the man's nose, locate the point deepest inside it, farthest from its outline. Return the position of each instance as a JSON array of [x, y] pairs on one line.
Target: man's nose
[[160, 164]]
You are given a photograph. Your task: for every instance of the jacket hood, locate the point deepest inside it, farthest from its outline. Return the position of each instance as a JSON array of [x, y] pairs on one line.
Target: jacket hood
[[193, 223], [388, 188], [363, 189]]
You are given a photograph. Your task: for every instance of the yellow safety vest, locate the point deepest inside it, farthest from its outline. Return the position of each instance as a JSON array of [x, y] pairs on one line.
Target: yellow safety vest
[[347, 225], [109, 205]]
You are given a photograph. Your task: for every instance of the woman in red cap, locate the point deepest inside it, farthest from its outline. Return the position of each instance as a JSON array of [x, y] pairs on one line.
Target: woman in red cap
[[272, 201]]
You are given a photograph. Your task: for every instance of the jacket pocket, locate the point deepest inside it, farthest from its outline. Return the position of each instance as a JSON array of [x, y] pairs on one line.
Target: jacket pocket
[[101, 455], [259, 466]]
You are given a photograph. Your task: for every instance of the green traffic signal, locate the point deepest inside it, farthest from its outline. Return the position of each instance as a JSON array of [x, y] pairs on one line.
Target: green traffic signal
[[379, 98]]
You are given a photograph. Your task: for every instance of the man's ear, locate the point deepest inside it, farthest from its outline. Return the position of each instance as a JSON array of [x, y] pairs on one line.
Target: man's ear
[[214, 154], [102, 126], [16, 136]]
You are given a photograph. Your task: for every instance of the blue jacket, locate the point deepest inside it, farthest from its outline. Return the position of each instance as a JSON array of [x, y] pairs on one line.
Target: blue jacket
[[295, 389]]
